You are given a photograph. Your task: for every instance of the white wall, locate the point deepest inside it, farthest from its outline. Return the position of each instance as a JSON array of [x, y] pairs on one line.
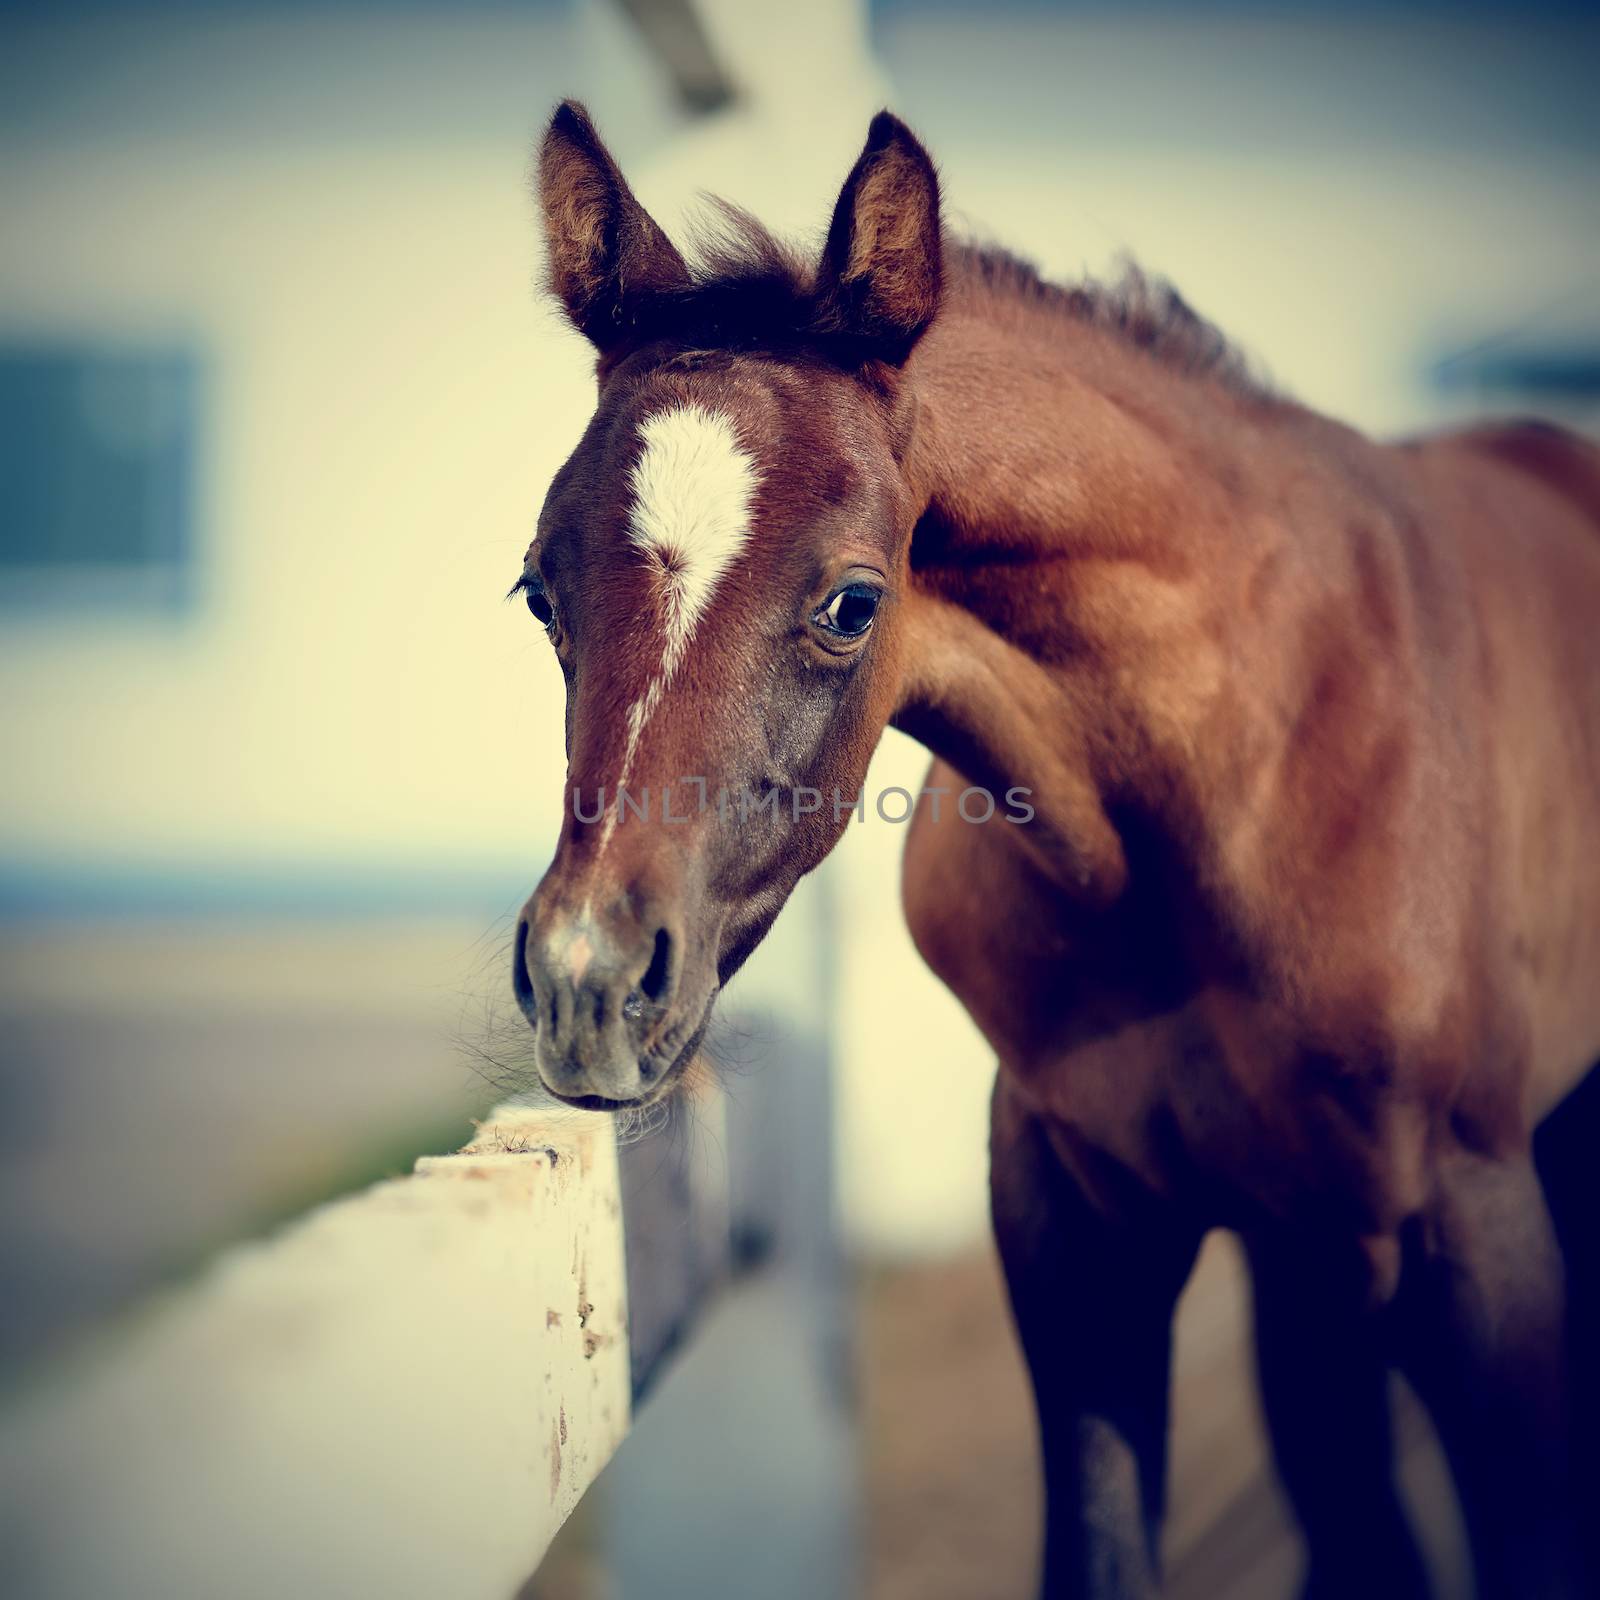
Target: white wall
[[387, 399]]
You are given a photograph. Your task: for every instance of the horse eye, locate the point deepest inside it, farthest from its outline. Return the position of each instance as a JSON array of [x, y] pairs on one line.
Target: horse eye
[[851, 611], [538, 598]]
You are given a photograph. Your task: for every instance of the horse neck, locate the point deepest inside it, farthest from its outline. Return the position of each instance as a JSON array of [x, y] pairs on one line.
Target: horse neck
[[1077, 575]]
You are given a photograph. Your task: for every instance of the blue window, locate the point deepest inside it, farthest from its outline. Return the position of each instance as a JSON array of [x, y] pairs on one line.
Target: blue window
[[97, 477]]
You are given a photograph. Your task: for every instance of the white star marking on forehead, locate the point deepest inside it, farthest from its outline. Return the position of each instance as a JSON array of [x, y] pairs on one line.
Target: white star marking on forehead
[[694, 486]]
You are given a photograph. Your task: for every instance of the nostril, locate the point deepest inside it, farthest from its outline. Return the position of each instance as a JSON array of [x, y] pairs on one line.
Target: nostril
[[653, 985], [521, 982]]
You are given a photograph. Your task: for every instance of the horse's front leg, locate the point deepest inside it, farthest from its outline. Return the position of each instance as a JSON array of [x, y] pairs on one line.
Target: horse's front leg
[[1484, 1345], [1565, 1149], [1320, 1309], [1093, 1297]]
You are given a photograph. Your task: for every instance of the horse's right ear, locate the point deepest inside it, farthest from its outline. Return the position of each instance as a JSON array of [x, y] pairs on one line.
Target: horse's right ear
[[882, 268], [608, 259]]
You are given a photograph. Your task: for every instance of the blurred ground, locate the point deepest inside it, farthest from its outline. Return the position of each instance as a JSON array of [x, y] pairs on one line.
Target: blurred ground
[[950, 1464]]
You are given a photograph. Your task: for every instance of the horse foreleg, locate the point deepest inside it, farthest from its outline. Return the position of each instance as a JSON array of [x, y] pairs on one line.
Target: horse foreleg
[[1325, 1389], [1566, 1148], [1484, 1345], [1093, 1298]]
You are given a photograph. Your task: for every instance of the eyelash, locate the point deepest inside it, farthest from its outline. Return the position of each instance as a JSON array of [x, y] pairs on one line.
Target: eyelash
[[529, 585]]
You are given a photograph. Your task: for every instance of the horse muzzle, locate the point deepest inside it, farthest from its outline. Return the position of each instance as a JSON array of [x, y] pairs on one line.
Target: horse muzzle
[[599, 995]]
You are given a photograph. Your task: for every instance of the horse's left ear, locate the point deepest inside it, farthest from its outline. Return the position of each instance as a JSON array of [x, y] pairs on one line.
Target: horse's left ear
[[609, 261], [882, 268]]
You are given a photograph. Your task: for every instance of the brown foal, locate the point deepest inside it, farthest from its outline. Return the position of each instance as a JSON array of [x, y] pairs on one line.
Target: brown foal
[[1302, 936]]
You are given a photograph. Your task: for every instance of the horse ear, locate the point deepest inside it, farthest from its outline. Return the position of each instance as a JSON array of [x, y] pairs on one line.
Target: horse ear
[[608, 259], [882, 267]]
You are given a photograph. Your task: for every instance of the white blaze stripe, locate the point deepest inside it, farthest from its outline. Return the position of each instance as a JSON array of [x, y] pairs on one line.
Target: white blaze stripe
[[693, 489]]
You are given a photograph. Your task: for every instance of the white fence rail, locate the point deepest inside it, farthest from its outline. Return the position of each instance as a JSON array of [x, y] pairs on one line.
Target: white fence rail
[[404, 1393]]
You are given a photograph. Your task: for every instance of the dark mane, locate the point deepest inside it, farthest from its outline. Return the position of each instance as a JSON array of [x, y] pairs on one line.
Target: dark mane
[[1143, 311], [752, 290]]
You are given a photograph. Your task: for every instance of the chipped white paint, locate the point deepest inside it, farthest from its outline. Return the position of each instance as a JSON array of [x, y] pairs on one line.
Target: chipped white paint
[[404, 1394], [694, 488]]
